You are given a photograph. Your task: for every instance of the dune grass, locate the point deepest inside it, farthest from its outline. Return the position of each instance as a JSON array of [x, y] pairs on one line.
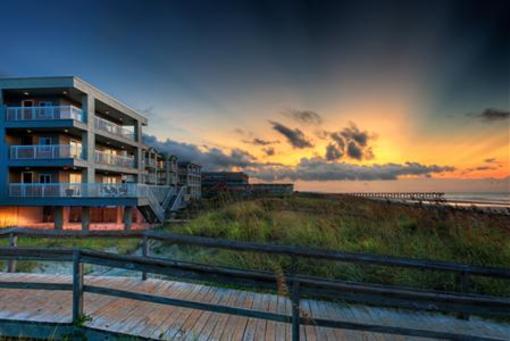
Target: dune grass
[[357, 225]]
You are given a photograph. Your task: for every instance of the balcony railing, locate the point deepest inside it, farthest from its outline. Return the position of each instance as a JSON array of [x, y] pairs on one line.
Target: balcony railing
[[87, 190], [114, 160], [51, 151], [149, 178], [112, 128], [66, 112], [150, 163]]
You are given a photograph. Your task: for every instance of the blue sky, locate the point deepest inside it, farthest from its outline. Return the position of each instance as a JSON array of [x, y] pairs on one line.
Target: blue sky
[[213, 74]]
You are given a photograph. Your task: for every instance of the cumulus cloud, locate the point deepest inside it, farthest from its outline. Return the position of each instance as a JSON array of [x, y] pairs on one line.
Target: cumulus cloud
[[294, 136], [210, 159], [493, 115], [333, 152], [313, 169], [319, 169], [304, 116], [350, 142]]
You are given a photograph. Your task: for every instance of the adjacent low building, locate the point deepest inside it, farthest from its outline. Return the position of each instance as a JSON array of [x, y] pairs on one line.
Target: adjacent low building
[[237, 184], [71, 153]]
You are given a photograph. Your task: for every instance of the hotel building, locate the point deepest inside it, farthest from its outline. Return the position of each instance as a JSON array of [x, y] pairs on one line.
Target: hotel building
[[71, 153]]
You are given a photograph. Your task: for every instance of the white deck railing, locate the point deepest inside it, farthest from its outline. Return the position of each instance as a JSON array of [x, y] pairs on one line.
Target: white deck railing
[[64, 112], [112, 128], [51, 151], [87, 190], [114, 160]]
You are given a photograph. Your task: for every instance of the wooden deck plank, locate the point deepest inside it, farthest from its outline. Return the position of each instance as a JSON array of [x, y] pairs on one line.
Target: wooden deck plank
[[224, 323], [167, 322], [172, 319], [195, 331]]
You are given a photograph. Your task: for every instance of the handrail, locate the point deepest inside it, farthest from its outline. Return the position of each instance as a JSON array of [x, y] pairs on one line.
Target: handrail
[[286, 250], [300, 285], [50, 151], [178, 199], [85, 190], [104, 158], [62, 112], [113, 128]]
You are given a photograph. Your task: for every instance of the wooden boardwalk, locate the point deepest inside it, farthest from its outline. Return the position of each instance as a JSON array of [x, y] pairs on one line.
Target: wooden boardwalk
[[156, 321]]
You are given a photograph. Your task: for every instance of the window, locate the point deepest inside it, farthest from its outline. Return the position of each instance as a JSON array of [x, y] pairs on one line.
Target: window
[[44, 111], [27, 103], [75, 178], [44, 140], [26, 177], [44, 178]]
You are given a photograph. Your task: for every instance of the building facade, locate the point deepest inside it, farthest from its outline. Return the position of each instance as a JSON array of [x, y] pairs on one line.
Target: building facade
[[190, 177], [69, 147], [233, 183]]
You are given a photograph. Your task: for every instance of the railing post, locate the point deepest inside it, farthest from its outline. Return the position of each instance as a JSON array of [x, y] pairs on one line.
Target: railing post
[[145, 253], [295, 310], [77, 286], [463, 279], [11, 264]]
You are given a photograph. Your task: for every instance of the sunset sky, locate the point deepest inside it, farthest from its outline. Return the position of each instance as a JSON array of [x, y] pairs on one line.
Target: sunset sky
[[335, 96]]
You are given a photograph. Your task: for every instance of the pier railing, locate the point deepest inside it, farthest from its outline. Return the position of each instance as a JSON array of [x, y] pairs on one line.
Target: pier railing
[[463, 302], [417, 196]]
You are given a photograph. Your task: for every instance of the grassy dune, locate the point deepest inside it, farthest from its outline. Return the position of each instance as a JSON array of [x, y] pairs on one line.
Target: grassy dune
[[357, 225]]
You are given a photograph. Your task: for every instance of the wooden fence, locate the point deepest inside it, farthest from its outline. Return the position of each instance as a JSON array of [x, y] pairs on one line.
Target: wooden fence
[[462, 302]]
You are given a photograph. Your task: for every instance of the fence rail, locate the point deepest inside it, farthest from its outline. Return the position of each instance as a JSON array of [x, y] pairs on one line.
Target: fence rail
[[462, 302], [300, 285]]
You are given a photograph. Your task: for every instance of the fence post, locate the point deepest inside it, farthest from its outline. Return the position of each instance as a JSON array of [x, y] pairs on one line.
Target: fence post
[[295, 309], [11, 264], [463, 279], [77, 286], [145, 253]]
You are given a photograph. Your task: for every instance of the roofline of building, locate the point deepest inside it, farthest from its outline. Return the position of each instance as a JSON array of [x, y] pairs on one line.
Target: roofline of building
[[71, 82]]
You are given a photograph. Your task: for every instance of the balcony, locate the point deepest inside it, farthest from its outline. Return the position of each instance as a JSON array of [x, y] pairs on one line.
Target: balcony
[[114, 160], [44, 152], [66, 112], [87, 190], [112, 128], [149, 178]]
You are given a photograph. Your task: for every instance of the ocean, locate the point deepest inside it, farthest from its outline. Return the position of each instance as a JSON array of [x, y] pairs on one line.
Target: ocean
[[500, 198]]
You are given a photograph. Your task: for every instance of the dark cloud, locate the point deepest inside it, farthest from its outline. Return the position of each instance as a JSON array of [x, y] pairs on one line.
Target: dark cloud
[[314, 169], [260, 142], [353, 133], [210, 159], [350, 142], [494, 115], [294, 136], [269, 151], [491, 160], [354, 150], [305, 116], [319, 169], [333, 152]]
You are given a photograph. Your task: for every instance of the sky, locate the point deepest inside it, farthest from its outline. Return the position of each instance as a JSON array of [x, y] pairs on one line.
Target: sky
[[333, 96]]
